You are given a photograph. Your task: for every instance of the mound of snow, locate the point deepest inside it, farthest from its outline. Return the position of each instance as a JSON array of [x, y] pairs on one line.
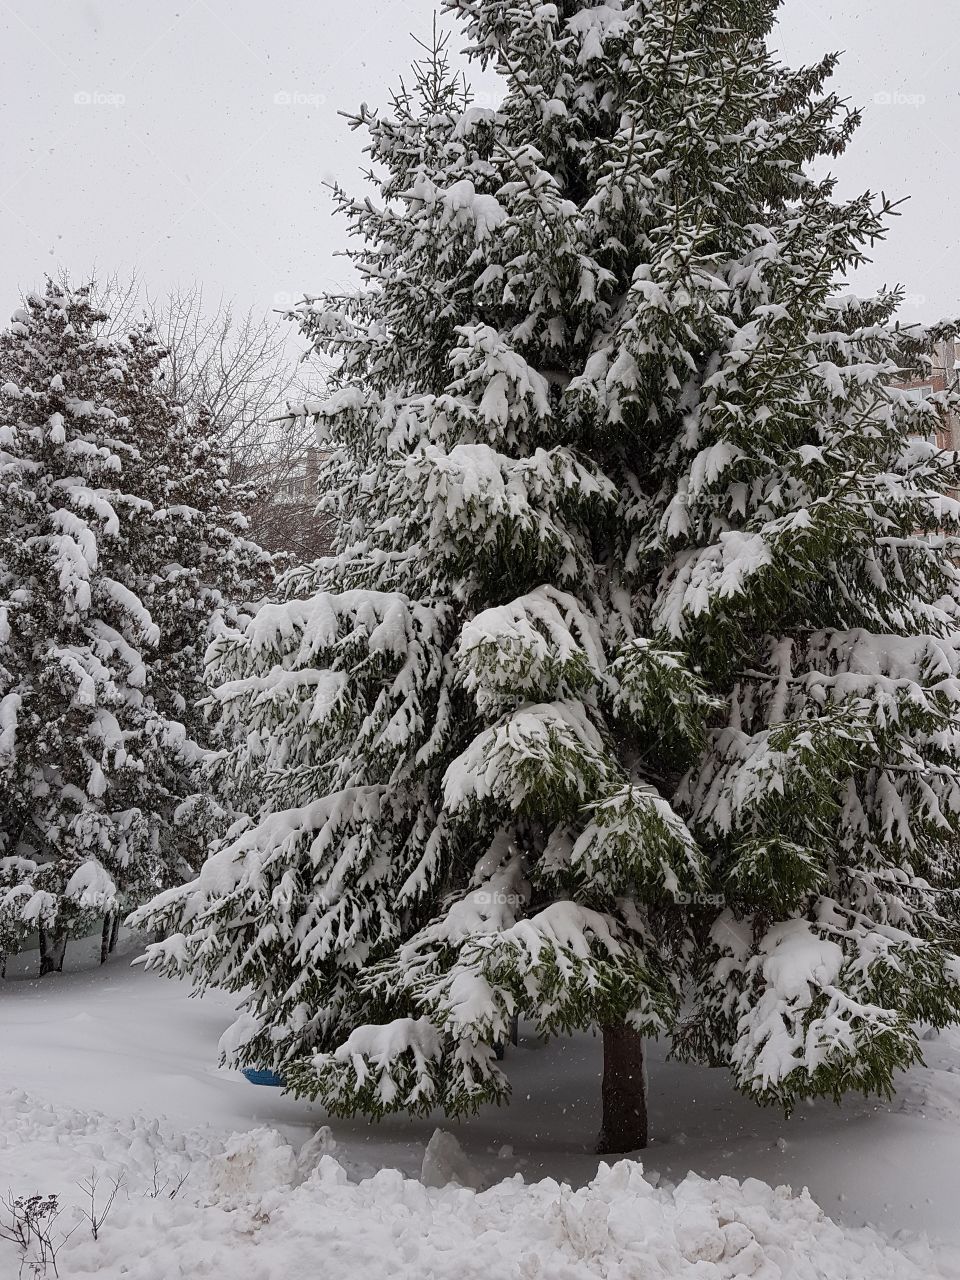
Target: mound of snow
[[322, 1143], [245, 1209], [251, 1165], [444, 1161]]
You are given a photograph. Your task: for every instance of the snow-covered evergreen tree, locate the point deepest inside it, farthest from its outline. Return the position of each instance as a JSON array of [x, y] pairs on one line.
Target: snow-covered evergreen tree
[[202, 570], [113, 564], [629, 698]]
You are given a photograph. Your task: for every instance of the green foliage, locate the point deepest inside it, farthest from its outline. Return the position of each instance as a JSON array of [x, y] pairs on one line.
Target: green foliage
[[664, 698], [774, 871]]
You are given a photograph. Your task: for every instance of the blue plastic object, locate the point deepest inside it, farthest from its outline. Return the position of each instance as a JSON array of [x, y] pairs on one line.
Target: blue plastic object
[[264, 1076]]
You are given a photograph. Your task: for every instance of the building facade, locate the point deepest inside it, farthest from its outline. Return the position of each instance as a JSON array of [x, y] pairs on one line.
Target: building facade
[[942, 376]]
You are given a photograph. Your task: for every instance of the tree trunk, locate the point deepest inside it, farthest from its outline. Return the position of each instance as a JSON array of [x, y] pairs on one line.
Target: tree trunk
[[114, 931], [105, 937], [53, 947], [624, 1090]]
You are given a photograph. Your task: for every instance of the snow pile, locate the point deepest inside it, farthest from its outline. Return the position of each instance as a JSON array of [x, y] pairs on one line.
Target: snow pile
[[250, 1207], [445, 1161], [251, 1166]]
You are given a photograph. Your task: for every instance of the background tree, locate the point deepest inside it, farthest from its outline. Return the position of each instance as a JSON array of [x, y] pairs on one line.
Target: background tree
[[119, 556], [627, 698]]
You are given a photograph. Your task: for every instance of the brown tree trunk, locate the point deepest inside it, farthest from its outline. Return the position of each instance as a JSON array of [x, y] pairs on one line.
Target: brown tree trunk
[[624, 1091], [114, 931], [105, 937], [53, 947]]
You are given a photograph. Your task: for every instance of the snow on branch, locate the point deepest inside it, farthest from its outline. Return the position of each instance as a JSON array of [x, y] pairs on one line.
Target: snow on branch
[[544, 642], [544, 755]]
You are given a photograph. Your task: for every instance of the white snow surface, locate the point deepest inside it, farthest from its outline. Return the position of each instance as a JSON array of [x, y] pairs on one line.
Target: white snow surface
[[248, 1207], [112, 1071]]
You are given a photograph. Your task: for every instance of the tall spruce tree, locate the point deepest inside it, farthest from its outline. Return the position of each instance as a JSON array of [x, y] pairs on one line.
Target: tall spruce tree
[[628, 700], [116, 560]]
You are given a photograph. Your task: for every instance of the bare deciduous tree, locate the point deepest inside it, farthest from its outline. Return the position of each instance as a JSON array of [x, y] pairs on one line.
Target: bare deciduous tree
[[243, 367]]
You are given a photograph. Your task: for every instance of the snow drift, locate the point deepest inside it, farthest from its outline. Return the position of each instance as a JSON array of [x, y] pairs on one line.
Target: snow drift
[[252, 1206]]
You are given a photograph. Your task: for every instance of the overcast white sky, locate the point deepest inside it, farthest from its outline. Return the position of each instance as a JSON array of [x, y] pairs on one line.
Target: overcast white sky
[[155, 136]]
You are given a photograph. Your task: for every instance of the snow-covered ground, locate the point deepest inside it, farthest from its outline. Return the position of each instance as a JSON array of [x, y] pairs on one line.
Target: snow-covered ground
[[110, 1070]]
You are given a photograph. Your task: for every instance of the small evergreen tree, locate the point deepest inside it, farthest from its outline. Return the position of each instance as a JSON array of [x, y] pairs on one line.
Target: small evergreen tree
[[112, 569], [628, 699]]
